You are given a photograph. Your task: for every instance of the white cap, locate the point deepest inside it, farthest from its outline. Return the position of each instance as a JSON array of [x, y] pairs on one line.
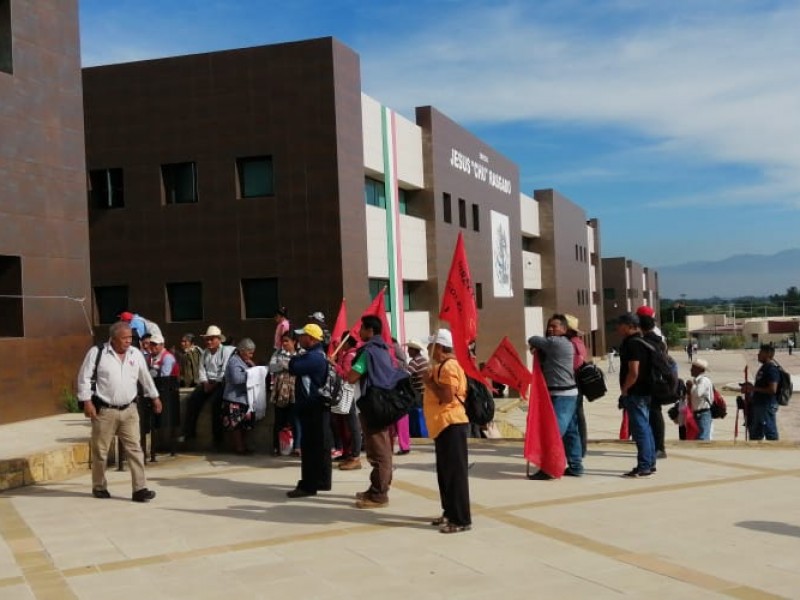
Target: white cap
[[443, 337], [156, 339]]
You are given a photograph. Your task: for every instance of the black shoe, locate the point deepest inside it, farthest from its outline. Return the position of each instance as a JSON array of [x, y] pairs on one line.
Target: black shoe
[[143, 495], [637, 473], [661, 454], [299, 493], [540, 476], [101, 494], [569, 472], [402, 452]]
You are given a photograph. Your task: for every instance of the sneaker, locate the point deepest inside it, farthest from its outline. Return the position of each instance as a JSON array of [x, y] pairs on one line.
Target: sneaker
[[402, 452], [341, 458], [101, 493], [367, 502], [350, 464], [143, 495], [570, 472], [637, 473], [362, 495], [336, 453], [540, 476]]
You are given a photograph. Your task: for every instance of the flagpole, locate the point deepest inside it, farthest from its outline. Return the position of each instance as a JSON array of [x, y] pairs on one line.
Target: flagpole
[[339, 347]]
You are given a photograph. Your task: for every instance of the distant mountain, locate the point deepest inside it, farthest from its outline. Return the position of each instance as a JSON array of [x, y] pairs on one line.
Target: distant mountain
[[740, 275]]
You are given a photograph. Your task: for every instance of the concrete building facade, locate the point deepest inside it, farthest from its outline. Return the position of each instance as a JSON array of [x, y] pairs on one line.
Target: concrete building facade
[[44, 238], [627, 285]]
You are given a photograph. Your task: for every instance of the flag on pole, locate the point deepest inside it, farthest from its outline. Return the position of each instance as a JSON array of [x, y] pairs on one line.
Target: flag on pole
[[339, 329], [543, 446], [377, 308], [689, 422], [624, 426], [505, 366], [459, 309]]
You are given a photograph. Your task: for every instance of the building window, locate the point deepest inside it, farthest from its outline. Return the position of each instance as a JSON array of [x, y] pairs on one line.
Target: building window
[[375, 286], [260, 297], [476, 218], [402, 201], [180, 183], [479, 295], [374, 192], [609, 293], [528, 244], [110, 301], [185, 301], [6, 43], [256, 178], [106, 189], [447, 208], [462, 213], [11, 321], [531, 298]]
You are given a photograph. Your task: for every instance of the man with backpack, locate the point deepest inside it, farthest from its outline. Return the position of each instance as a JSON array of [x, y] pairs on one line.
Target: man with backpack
[[635, 392], [556, 354], [652, 334], [762, 397]]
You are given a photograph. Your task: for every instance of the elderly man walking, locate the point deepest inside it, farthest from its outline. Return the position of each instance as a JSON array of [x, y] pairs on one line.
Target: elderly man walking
[[107, 388]]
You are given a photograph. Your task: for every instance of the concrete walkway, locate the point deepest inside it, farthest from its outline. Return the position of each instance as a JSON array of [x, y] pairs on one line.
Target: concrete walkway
[[717, 520]]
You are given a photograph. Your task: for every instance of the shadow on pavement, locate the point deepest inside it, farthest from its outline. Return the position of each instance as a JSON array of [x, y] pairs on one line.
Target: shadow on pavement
[[775, 527]]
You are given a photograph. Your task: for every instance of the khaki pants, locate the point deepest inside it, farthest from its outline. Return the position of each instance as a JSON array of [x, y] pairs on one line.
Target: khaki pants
[[378, 447], [125, 425]]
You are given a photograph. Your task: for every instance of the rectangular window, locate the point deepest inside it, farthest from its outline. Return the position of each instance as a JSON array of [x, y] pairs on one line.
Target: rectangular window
[[530, 298], [185, 301], [11, 318], [462, 213], [106, 188], [609, 293], [402, 201], [110, 301], [375, 286], [6, 42], [260, 298], [256, 178], [479, 295], [374, 192], [447, 208], [476, 218], [180, 183]]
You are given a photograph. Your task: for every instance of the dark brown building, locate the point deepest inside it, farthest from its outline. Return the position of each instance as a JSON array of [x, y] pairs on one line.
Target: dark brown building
[[627, 285], [227, 184], [569, 246], [44, 240]]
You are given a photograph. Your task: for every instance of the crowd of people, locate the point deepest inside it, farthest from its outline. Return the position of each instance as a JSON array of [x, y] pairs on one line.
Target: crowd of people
[[135, 367]]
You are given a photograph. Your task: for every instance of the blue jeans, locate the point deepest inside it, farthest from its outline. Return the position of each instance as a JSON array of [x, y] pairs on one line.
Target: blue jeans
[[761, 419], [638, 409], [566, 409], [703, 420]]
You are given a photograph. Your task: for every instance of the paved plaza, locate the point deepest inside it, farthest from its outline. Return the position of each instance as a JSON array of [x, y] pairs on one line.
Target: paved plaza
[[718, 520]]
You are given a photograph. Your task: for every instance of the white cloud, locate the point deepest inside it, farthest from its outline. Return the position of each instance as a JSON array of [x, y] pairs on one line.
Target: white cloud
[[719, 87]]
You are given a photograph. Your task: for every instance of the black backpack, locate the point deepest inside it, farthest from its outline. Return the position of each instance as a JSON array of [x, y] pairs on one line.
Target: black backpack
[[478, 403], [785, 387], [591, 381], [665, 385]]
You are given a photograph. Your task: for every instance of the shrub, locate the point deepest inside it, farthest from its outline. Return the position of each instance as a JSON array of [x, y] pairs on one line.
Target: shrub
[[71, 404]]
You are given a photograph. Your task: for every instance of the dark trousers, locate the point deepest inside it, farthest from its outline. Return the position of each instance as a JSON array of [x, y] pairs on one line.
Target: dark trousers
[[582, 425], [349, 430], [378, 447], [284, 416], [315, 448], [194, 404], [452, 474], [657, 425]]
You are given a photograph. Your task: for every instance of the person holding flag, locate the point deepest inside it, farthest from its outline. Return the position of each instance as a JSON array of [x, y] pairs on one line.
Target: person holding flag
[[555, 353]]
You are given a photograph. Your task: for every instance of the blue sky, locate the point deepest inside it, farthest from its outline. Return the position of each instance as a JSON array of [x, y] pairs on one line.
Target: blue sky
[[677, 123]]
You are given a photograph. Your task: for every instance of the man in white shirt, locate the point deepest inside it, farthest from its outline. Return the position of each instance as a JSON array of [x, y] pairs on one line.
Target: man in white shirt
[[107, 387], [701, 395]]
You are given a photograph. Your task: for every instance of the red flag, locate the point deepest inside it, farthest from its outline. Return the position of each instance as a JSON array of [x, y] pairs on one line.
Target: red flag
[[543, 445], [339, 329], [505, 366], [692, 430], [378, 309], [459, 310], [624, 427]]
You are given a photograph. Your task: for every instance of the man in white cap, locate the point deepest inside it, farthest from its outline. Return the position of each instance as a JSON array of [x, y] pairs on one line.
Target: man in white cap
[[165, 371], [212, 373], [701, 396]]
